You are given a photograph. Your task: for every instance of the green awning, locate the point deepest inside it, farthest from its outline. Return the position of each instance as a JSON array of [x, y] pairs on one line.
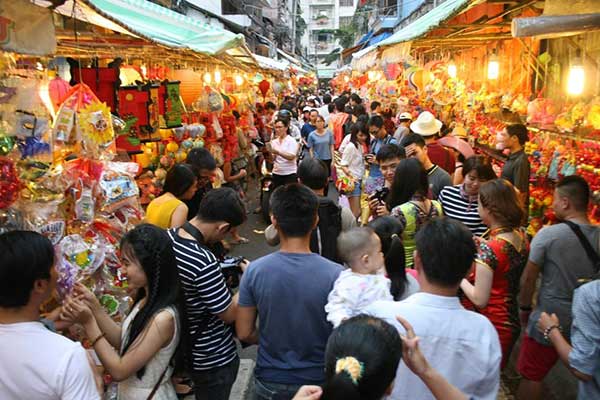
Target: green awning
[[155, 23], [427, 22]]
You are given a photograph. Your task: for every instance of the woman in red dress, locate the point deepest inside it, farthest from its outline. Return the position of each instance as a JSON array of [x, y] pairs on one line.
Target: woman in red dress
[[493, 286]]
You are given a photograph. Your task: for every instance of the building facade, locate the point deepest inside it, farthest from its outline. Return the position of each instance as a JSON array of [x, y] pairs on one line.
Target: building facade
[[323, 18]]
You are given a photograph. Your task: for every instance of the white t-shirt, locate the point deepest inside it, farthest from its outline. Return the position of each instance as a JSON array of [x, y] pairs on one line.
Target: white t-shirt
[[324, 112], [281, 166], [36, 363], [352, 158]]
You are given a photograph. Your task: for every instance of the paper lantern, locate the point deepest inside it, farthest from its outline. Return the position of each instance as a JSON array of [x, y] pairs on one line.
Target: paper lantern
[[128, 76], [264, 87], [419, 79], [190, 84], [278, 87], [58, 89], [391, 71]]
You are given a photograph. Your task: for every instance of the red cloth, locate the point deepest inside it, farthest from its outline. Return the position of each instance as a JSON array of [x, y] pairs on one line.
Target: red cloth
[[337, 121], [439, 155], [502, 308], [389, 126]]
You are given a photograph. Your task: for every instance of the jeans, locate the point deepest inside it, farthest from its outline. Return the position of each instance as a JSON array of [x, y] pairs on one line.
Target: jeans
[[215, 384], [274, 391]]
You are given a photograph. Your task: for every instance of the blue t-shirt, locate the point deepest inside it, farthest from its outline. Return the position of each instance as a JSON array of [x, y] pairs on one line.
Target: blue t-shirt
[[307, 128], [321, 144], [376, 144], [290, 292]]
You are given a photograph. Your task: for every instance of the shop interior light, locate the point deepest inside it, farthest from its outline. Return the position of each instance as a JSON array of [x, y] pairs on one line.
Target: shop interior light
[[452, 70], [207, 78], [576, 78], [217, 76], [371, 75], [346, 79], [239, 80], [493, 67]]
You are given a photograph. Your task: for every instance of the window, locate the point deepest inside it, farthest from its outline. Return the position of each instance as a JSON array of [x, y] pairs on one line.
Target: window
[[345, 21], [346, 3], [228, 7], [388, 8], [324, 37]]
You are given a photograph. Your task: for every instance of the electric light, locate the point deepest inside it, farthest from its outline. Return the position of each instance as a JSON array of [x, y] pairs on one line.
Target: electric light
[[452, 70], [493, 67], [576, 78], [239, 80], [217, 76], [346, 79], [207, 78]]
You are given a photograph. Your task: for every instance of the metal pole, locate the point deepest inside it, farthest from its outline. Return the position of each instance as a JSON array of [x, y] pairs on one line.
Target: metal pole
[[294, 5]]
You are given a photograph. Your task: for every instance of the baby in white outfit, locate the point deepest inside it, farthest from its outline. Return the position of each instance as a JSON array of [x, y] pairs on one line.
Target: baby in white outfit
[[364, 282]]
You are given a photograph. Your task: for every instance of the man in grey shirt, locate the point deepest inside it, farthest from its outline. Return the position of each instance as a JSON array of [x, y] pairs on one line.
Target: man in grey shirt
[[438, 177], [558, 254]]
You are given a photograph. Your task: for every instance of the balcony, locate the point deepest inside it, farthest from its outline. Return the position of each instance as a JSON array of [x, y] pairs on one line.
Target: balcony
[[321, 23], [321, 47], [322, 2]]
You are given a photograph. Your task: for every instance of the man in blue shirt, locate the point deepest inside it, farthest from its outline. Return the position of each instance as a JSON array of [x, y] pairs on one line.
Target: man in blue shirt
[[289, 290]]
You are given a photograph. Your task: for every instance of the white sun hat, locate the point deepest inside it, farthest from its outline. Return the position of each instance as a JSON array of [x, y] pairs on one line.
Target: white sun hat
[[426, 124]]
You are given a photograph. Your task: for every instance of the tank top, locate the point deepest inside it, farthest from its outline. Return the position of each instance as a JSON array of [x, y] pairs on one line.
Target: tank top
[[160, 214], [134, 388]]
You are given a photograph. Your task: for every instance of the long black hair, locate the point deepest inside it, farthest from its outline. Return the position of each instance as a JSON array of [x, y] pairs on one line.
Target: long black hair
[[410, 179], [179, 179], [373, 344], [355, 130], [151, 247], [389, 230]]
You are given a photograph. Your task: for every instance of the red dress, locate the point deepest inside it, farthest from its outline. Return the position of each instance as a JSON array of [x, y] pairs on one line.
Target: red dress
[[507, 262]]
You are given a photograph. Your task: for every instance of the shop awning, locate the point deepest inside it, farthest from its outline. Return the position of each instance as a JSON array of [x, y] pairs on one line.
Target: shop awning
[[365, 38], [268, 63], [158, 24], [427, 22], [378, 38]]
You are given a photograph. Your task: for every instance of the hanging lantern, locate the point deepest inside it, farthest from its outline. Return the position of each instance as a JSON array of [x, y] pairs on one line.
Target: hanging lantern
[[452, 70], [391, 71], [190, 84], [58, 89], [264, 87], [576, 79], [493, 67]]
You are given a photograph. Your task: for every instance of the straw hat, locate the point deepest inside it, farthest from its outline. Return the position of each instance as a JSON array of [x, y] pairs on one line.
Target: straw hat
[[405, 117], [426, 124]]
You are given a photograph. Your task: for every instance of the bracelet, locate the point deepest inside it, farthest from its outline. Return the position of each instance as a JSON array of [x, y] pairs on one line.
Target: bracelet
[[100, 336], [526, 308], [549, 329]]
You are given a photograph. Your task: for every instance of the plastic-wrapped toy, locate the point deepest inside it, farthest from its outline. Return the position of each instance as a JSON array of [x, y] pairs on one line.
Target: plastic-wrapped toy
[[9, 183]]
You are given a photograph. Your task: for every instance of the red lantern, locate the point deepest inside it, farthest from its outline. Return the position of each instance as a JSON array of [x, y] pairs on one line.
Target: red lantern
[[391, 71], [264, 87], [58, 89]]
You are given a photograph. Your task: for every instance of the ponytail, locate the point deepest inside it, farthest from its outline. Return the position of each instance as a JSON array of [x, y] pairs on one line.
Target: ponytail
[[340, 387], [395, 266]]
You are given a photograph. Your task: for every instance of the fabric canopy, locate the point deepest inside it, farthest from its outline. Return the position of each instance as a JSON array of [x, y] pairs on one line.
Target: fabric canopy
[[378, 38], [156, 23], [427, 22], [269, 63]]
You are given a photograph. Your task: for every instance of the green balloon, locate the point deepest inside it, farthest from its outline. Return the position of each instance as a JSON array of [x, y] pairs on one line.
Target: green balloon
[[7, 143]]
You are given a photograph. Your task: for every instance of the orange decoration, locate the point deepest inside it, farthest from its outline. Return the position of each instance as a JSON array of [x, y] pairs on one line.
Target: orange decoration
[[191, 84]]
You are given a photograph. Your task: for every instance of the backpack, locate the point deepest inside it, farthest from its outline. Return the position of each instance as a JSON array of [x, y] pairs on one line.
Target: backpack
[[323, 239]]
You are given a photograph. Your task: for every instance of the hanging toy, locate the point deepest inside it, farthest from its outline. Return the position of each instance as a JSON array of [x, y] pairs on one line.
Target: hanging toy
[[9, 183], [264, 88]]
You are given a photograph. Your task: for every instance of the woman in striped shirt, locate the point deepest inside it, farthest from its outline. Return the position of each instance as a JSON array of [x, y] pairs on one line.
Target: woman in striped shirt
[[460, 201]]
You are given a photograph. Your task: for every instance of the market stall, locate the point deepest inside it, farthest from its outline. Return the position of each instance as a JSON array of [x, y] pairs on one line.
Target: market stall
[[99, 99], [462, 62]]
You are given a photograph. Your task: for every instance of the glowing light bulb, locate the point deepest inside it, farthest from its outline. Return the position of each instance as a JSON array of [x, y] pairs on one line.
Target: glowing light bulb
[[576, 79], [346, 79], [493, 67], [207, 78], [217, 76], [239, 80], [371, 75], [452, 70]]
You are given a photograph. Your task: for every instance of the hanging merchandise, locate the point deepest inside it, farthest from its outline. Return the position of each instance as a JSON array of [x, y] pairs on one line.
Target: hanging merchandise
[[58, 89], [264, 88], [173, 107], [103, 82], [83, 126]]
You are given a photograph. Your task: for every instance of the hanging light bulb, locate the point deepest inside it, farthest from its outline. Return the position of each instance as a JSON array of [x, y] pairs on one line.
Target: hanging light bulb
[[346, 78], [576, 77], [217, 76], [452, 70], [371, 75], [239, 80], [493, 67], [207, 78]]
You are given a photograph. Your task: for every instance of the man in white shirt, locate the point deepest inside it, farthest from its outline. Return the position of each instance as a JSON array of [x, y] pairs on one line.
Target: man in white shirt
[[324, 109], [462, 345], [35, 363]]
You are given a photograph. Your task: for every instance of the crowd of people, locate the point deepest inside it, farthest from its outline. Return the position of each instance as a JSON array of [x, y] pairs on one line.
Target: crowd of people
[[416, 282]]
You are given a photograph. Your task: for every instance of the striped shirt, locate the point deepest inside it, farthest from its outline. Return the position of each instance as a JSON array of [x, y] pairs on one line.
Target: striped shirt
[[459, 208], [206, 295]]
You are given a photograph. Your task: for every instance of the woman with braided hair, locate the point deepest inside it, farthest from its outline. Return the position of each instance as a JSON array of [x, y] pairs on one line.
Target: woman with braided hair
[[137, 354]]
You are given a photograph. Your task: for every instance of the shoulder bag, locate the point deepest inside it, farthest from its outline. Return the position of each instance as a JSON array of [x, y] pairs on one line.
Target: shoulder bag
[[591, 253]]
